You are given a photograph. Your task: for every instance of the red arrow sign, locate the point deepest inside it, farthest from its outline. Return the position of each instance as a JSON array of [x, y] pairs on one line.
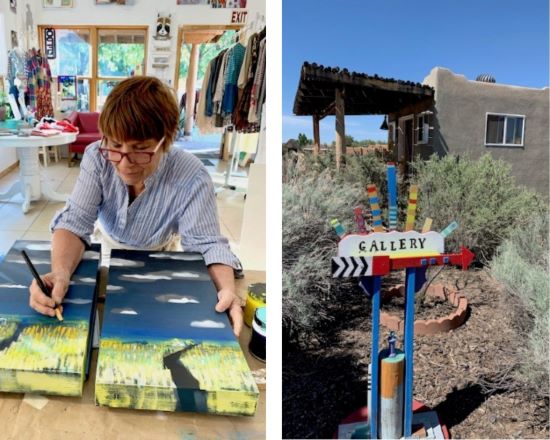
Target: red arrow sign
[[463, 259]]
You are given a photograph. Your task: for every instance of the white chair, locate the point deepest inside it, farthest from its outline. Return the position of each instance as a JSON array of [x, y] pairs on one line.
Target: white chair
[[45, 152]]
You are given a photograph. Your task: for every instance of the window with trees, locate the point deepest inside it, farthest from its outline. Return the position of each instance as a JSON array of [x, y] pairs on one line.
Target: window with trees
[[99, 57]]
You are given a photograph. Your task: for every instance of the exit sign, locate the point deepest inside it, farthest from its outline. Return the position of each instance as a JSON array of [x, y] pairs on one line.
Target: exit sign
[[238, 17]]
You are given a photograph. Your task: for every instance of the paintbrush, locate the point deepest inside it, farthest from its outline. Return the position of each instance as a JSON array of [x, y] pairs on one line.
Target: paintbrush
[[41, 284]]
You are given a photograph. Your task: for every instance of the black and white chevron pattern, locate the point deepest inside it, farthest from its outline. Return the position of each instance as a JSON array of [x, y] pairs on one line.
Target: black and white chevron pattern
[[343, 267]]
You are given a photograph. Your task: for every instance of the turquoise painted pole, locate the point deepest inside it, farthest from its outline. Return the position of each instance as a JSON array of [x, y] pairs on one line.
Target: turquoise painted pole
[[410, 287], [371, 286]]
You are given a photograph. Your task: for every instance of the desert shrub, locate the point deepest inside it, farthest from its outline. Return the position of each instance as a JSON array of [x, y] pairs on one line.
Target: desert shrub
[[481, 195], [521, 264], [311, 198]]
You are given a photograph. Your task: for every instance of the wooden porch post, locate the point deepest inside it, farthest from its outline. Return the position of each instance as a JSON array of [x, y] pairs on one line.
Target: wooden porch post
[[340, 127], [316, 136], [190, 89]]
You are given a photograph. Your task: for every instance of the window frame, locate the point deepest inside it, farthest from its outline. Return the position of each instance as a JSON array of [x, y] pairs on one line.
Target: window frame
[[421, 129], [506, 116], [94, 30]]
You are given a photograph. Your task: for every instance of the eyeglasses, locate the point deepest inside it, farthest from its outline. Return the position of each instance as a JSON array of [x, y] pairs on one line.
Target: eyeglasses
[[134, 157]]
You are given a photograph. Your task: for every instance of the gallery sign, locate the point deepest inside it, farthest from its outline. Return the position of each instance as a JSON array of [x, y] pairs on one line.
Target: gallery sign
[[391, 243]]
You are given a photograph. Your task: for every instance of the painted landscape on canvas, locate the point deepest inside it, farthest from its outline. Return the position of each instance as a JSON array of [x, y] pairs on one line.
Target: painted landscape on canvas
[[163, 346], [39, 354]]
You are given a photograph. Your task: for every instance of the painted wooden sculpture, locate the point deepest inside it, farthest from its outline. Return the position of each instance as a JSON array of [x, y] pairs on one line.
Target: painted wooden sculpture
[[39, 354], [373, 255], [163, 346]]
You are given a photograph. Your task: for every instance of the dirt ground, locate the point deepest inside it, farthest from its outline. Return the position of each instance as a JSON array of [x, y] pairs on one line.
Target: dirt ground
[[322, 386]]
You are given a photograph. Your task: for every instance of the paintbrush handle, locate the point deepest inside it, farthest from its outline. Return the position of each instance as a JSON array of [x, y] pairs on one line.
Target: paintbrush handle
[[41, 284]]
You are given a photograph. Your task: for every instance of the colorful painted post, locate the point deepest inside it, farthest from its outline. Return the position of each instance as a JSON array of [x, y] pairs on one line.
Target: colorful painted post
[[392, 197], [392, 365], [449, 229], [427, 225], [371, 286], [375, 208], [411, 208], [360, 220], [338, 228]]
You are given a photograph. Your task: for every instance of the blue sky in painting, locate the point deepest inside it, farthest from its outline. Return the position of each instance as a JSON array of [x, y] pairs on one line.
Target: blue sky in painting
[[15, 300], [404, 40], [146, 318]]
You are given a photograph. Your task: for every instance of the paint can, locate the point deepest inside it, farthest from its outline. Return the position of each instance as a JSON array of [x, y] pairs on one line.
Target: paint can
[[257, 341], [255, 297]]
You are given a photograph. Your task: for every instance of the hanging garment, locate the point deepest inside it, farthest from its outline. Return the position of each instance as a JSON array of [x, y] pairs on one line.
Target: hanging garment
[[255, 102], [234, 62], [39, 79]]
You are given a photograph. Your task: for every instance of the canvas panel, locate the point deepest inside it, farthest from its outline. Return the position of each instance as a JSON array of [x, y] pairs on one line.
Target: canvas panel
[[39, 354], [163, 346]]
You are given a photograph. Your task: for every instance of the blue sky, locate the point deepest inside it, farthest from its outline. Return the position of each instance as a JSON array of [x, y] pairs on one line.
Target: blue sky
[[405, 40]]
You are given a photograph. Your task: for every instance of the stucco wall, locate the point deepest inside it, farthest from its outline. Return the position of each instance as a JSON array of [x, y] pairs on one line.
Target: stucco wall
[[460, 118]]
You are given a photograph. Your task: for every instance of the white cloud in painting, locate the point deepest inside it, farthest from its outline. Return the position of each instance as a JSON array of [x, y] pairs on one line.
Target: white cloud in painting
[[111, 288], [35, 261], [177, 299], [181, 257], [121, 262], [144, 277], [185, 275], [13, 286], [207, 324], [78, 301], [124, 311], [90, 255], [39, 247], [86, 280]]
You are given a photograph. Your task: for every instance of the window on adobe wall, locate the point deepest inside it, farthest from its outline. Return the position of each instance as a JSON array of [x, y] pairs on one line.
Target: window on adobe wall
[[504, 130], [422, 128]]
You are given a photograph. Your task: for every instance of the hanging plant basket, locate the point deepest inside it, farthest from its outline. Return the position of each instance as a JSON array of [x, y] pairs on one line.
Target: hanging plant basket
[[428, 326]]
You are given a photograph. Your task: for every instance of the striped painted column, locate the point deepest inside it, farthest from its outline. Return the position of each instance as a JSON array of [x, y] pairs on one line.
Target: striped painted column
[[375, 208], [392, 197], [411, 208]]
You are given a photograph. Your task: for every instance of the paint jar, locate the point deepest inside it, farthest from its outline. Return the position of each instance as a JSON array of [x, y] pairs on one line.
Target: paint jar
[[255, 297], [257, 341]]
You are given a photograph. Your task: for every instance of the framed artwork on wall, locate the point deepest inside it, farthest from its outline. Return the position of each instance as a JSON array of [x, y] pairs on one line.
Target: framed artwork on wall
[[57, 3], [14, 42], [67, 86], [230, 4], [193, 2], [109, 2]]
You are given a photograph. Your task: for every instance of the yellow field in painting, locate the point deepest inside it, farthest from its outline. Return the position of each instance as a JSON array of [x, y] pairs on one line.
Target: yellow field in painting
[[43, 358], [132, 375]]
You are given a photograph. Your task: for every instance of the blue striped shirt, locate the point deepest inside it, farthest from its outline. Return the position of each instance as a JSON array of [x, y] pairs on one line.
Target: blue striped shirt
[[178, 198]]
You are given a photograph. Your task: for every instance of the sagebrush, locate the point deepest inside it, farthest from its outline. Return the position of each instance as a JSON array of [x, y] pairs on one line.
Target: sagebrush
[[313, 194], [480, 195], [521, 264]]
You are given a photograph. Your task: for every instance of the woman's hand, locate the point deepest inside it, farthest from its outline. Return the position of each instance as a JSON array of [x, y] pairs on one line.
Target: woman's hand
[[58, 282], [227, 300]]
